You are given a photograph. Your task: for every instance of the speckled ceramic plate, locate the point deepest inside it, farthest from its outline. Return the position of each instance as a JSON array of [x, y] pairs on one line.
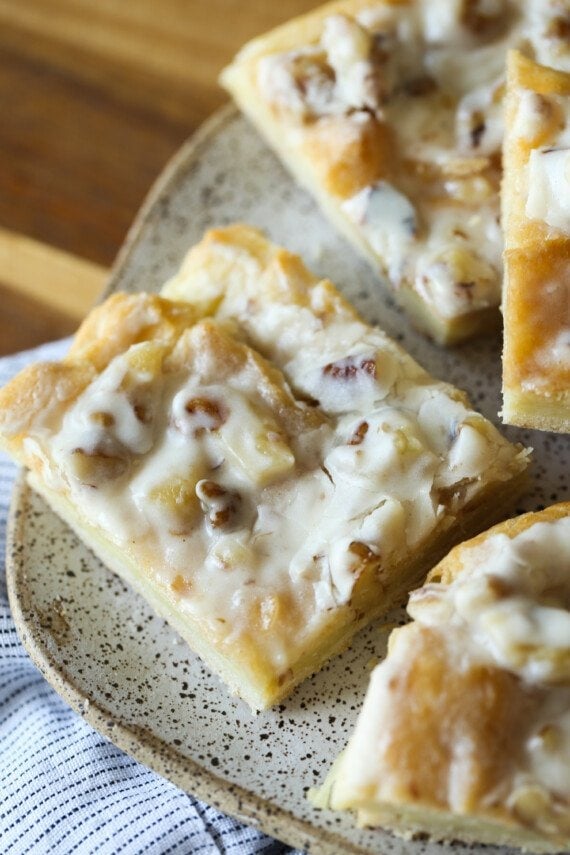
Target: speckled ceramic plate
[[101, 646]]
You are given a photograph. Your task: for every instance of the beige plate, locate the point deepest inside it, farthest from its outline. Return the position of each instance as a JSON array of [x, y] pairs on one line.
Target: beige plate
[[102, 648]]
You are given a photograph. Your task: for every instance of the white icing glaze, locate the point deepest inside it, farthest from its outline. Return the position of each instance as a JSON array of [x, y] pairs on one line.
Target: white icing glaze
[[388, 221], [547, 750], [228, 510], [532, 109]]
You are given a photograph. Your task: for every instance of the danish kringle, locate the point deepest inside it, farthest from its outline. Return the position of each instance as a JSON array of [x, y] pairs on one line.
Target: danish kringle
[[267, 525]]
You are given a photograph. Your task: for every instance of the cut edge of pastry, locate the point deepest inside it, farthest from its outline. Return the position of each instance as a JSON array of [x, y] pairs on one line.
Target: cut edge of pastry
[[534, 254], [413, 822], [527, 409]]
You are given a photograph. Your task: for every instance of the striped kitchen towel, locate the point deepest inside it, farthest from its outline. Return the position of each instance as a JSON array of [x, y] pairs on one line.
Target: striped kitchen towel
[[64, 788]]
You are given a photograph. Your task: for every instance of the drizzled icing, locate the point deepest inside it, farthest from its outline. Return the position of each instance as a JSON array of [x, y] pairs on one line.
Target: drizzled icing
[[542, 122]]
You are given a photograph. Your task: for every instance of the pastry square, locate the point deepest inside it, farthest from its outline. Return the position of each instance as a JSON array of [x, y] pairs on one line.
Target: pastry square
[[390, 114], [412, 465], [271, 505], [465, 729], [536, 220]]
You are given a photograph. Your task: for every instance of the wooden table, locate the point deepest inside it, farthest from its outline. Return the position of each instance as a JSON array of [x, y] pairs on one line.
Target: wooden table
[[95, 96]]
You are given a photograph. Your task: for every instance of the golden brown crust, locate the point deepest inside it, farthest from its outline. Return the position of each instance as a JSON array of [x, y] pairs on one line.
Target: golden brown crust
[[210, 277], [536, 307], [525, 74], [112, 327], [37, 392], [127, 319]]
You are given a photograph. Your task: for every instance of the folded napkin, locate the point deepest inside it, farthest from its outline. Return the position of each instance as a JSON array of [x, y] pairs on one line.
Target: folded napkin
[[63, 787]]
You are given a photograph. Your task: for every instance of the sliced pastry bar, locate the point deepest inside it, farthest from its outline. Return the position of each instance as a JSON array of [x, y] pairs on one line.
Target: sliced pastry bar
[[390, 114], [465, 729], [412, 467], [536, 220], [267, 525]]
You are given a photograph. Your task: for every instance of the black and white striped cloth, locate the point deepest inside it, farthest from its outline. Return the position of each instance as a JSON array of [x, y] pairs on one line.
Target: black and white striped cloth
[[63, 788]]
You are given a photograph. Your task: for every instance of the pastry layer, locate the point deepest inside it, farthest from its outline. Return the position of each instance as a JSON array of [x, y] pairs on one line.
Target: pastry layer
[[465, 729], [390, 114], [536, 219], [268, 509]]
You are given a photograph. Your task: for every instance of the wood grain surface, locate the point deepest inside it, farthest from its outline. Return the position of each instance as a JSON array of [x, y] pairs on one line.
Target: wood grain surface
[[95, 96]]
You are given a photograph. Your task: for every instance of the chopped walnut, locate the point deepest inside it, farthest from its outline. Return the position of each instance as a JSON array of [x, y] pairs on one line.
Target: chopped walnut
[[350, 368], [95, 467], [143, 412], [362, 552], [559, 28], [103, 419], [485, 18], [205, 415], [358, 436], [478, 126], [419, 87], [221, 506]]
